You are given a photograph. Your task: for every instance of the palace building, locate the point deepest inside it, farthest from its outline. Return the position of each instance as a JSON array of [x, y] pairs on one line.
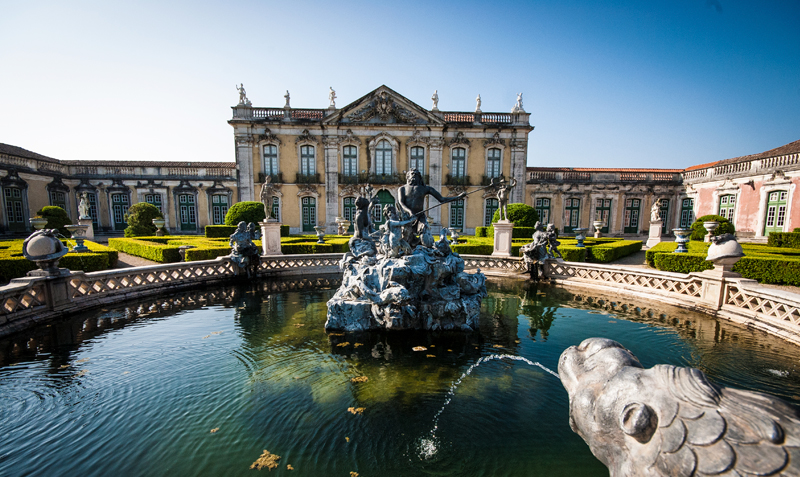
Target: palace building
[[315, 161]]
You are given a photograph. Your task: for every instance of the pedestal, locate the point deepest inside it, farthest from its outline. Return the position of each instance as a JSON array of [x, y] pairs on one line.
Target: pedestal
[[270, 238], [89, 230], [655, 234], [502, 238]]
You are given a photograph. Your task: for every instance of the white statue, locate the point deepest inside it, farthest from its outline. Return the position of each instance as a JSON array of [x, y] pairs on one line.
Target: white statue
[[287, 99], [518, 107], [266, 197], [435, 99], [655, 211], [478, 104], [83, 207], [331, 96], [242, 95]]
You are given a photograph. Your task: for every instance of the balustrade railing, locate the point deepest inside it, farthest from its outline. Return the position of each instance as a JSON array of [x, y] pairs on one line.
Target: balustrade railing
[[633, 176], [459, 117], [268, 113], [495, 118], [538, 176], [308, 113], [274, 178], [788, 160], [573, 176]]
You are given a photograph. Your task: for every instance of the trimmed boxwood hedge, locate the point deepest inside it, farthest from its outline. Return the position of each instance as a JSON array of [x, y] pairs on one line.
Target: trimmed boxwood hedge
[[699, 231], [14, 265], [784, 239], [247, 211], [147, 247], [608, 252]]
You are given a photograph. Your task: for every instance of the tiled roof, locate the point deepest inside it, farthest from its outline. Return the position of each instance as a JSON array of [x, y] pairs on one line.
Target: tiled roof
[[791, 148], [19, 152], [24, 153]]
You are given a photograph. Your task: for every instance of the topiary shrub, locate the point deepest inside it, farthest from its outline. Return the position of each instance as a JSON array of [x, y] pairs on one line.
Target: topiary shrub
[[784, 239], [725, 227], [522, 215], [140, 220], [57, 218], [247, 211]]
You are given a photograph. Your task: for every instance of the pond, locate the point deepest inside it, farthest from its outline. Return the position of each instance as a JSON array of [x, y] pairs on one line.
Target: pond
[[201, 383]]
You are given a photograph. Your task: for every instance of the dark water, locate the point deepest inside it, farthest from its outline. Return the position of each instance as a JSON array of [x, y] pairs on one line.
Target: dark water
[[136, 390]]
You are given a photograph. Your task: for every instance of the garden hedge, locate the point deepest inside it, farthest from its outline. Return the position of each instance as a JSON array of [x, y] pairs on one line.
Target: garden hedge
[[57, 218], [604, 252], [247, 211], [699, 231], [784, 239], [14, 265], [146, 247], [516, 232], [522, 215], [140, 220]]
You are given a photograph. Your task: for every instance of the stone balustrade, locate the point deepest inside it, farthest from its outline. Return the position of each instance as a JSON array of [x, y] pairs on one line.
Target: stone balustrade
[[560, 175]]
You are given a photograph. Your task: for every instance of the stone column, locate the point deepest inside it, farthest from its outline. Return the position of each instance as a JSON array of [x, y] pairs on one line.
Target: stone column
[[244, 163], [435, 177], [270, 238], [331, 145]]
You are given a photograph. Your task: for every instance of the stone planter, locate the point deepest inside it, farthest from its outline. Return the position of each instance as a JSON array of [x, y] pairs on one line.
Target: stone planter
[[598, 224], [320, 233], [710, 227], [580, 236], [682, 237], [159, 223], [78, 233], [38, 223]]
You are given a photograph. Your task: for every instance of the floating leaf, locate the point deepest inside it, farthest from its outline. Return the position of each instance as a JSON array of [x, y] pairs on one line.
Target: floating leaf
[[81, 373], [346, 343], [347, 439], [433, 346], [449, 351], [126, 372], [335, 334], [517, 341], [612, 321], [270, 461], [356, 410], [84, 360], [359, 379], [63, 366], [353, 474], [214, 430], [430, 355], [289, 467], [497, 346], [419, 348], [357, 345], [212, 334]]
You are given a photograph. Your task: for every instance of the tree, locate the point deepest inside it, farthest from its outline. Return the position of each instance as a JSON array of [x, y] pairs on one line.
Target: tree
[[140, 220], [725, 226], [245, 212], [522, 215], [56, 217]]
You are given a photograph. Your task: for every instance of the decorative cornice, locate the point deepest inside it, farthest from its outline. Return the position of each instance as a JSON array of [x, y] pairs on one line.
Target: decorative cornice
[[268, 137], [456, 189], [495, 140], [331, 140], [460, 139], [349, 190], [306, 136], [417, 138], [303, 189]]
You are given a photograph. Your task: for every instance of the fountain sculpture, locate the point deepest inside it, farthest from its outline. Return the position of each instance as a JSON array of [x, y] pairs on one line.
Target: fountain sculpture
[[244, 253], [669, 420], [397, 277]]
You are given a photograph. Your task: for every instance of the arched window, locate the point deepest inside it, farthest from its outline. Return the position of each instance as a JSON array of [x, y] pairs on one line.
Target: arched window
[[493, 162], [417, 159], [572, 214], [58, 199], [308, 163], [727, 203], [349, 161], [154, 199], [457, 214], [309, 213], [383, 158], [271, 161], [187, 209], [384, 197], [15, 210], [458, 162], [602, 212]]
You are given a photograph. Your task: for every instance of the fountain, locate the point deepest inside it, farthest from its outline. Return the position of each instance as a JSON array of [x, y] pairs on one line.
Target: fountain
[[78, 232]]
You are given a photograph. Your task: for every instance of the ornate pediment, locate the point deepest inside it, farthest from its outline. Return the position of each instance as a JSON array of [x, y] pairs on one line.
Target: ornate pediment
[[417, 139], [307, 189], [459, 139], [306, 136], [495, 140], [267, 136], [778, 177], [350, 190], [455, 189], [350, 138], [386, 106]]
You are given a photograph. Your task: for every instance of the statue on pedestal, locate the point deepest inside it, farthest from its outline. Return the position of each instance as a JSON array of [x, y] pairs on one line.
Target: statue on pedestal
[[83, 207], [478, 104], [503, 194], [287, 99], [655, 211], [552, 242], [266, 197], [243, 95]]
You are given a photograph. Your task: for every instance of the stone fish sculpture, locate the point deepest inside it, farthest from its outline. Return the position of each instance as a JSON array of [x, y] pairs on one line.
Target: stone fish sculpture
[[397, 277], [671, 421]]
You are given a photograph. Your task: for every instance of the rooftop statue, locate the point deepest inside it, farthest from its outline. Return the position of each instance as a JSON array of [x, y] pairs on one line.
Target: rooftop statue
[[243, 95], [518, 106], [331, 96], [435, 99], [244, 253], [669, 420], [478, 104], [287, 99]]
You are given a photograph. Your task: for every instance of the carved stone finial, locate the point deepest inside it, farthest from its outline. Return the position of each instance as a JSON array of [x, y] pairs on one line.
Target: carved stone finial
[[669, 420]]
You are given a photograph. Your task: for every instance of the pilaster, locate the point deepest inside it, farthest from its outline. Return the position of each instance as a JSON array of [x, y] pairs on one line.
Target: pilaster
[[331, 144], [436, 145], [519, 160], [244, 163]]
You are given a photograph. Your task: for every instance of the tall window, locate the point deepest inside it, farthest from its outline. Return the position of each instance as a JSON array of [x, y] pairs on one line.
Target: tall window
[[376, 212], [664, 211], [726, 205], [349, 161], [687, 213], [309, 212], [602, 212], [270, 159], [776, 212], [308, 163], [276, 208], [14, 209], [383, 158], [349, 211], [219, 207], [154, 199], [58, 199], [188, 211], [632, 210], [119, 208], [491, 208], [572, 214], [493, 163], [542, 206], [458, 162], [417, 160], [457, 214]]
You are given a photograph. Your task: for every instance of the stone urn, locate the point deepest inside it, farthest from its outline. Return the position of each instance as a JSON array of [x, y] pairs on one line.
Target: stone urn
[[580, 236], [710, 227], [346, 226], [682, 237], [78, 233], [159, 223], [454, 234], [598, 224], [38, 223], [320, 233]]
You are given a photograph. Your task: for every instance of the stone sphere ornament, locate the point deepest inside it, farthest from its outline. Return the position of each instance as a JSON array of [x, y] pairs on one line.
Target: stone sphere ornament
[[45, 249]]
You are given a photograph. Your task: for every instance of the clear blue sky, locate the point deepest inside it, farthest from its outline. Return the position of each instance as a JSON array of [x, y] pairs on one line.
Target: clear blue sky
[[609, 84]]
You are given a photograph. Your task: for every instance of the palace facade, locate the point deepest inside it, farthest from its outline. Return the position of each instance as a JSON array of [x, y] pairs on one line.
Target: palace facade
[[316, 160]]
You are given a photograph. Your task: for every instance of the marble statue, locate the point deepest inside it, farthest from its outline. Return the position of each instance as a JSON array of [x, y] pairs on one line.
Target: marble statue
[[412, 201], [535, 253], [83, 207], [503, 194], [518, 106], [266, 197], [670, 420], [244, 253], [287, 99], [242, 95], [435, 99], [552, 242], [331, 96], [655, 211], [478, 104], [398, 277]]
